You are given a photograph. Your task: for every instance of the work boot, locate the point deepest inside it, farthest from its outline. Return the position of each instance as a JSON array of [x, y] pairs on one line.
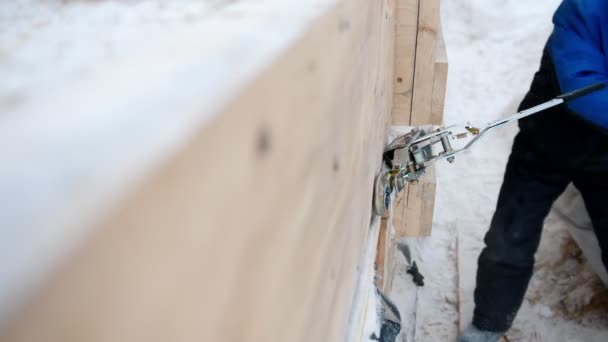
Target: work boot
[[472, 334]]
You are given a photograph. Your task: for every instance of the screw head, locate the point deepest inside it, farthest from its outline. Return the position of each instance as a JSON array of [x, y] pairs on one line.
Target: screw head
[[450, 160]]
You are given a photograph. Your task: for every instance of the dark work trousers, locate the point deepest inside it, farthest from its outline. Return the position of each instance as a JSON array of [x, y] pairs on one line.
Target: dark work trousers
[[552, 149]]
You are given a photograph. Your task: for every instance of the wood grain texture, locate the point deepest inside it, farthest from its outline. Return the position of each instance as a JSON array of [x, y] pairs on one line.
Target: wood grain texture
[[253, 228], [385, 259], [440, 80], [400, 213], [390, 268], [405, 56], [414, 218], [427, 197], [414, 207], [71, 154], [424, 71], [381, 254]]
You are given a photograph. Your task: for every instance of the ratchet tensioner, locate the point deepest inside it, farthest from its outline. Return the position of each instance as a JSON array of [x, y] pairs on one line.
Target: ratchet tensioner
[[407, 157]]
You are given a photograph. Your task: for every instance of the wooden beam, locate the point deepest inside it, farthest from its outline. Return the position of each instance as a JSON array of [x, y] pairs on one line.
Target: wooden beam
[[426, 191], [405, 56], [414, 207], [426, 44], [234, 209], [381, 254], [365, 298], [400, 215], [385, 262], [440, 80]]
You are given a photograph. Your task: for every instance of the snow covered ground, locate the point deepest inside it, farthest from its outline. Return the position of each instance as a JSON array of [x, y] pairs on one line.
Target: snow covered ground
[[494, 48]]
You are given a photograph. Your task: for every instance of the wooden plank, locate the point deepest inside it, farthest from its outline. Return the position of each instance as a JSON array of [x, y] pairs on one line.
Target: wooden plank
[[250, 224], [385, 260], [428, 25], [400, 215], [391, 265], [440, 80], [427, 197], [405, 55], [400, 212], [414, 207], [381, 255], [365, 298], [386, 252]]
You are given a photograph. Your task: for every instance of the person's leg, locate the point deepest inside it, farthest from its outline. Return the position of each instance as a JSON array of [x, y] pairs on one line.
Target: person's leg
[[593, 187], [529, 189]]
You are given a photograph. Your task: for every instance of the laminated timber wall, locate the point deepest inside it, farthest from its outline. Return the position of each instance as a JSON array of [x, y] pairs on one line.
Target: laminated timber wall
[[214, 184]]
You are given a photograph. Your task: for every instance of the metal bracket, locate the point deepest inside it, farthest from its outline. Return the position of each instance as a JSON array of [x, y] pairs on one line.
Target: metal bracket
[[405, 161], [395, 171]]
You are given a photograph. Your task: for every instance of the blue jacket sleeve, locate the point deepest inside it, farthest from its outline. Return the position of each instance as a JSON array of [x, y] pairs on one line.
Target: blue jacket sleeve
[[577, 52]]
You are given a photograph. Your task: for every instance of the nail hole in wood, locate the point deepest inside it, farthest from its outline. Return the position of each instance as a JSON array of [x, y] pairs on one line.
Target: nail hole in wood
[[312, 66], [343, 25], [263, 141]]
